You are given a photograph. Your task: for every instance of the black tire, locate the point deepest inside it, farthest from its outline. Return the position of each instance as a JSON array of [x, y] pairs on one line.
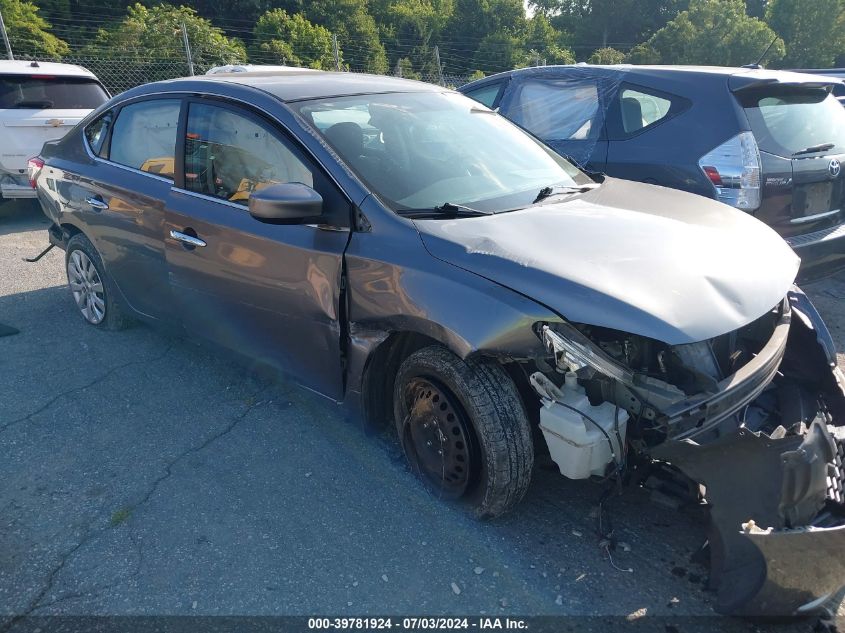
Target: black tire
[[470, 398], [106, 313]]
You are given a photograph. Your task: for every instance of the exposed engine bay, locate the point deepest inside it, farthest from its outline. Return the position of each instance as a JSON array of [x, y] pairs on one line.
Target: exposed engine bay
[[755, 417]]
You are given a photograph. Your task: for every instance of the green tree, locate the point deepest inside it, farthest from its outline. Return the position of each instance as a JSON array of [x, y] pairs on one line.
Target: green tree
[[606, 56], [404, 68], [643, 54], [29, 33], [813, 31], [596, 24], [543, 41], [355, 28], [716, 32], [411, 28], [155, 33], [292, 39]]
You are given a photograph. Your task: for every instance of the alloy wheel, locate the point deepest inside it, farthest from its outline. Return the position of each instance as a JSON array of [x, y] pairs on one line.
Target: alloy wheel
[[87, 287]]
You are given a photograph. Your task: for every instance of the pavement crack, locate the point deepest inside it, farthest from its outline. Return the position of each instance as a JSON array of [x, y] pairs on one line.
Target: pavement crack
[[88, 385], [36, 603]]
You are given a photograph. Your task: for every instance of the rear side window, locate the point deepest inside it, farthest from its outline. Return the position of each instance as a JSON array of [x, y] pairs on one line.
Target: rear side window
[[641, 109], [38, 92], [486, 94], [229, 156], [787, 121], [144, 136], [558, 109]]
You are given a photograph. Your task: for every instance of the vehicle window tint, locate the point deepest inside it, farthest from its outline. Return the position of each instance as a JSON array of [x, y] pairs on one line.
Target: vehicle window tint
[[228, 155], [640, 109], [558, 109], [97, 132], [144, 136], [785, 121], [486, 94], [38, 92]]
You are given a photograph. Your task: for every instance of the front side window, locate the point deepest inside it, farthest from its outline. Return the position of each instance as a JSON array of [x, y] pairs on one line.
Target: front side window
[[144, 136], [97, 133], [228, 155], [558, 109], [421, 150], [641, 109]]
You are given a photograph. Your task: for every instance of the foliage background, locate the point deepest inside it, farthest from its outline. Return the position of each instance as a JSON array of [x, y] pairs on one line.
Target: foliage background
[[471, 37]]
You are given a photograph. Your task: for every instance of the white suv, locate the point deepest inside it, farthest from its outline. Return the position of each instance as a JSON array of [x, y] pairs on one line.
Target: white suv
[[39, 102]]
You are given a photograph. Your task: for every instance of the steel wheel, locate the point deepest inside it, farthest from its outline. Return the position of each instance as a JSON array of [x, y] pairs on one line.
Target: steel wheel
[[437, 438], [87, 287]]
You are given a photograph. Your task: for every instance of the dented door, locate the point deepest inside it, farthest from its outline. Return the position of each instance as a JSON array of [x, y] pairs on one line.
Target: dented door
[[269, 292]]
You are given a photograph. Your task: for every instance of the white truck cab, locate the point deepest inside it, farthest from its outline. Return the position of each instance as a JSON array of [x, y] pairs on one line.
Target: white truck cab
[[39, 102]]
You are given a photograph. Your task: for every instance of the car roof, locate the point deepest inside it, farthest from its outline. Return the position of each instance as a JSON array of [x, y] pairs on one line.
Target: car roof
[[23, 67], [296, 85], [251, 68], [739, 77]]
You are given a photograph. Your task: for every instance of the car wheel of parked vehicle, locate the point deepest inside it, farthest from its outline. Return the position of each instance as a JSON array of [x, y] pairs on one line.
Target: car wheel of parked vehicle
[[90, 287], [464, 429]]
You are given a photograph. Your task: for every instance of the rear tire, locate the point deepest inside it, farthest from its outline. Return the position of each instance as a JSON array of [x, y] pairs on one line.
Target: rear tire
[[91, 288], [464, 429]]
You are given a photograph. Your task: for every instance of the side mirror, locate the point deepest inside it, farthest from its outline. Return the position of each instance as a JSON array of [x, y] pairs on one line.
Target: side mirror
[[286, 202]]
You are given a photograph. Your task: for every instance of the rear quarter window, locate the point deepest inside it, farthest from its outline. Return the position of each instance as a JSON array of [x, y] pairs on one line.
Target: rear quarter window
[[485, 95], [787, 121], [39, 92]]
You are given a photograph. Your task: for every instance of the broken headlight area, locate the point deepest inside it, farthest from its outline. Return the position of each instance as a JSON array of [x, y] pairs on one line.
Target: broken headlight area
[[754, 417]]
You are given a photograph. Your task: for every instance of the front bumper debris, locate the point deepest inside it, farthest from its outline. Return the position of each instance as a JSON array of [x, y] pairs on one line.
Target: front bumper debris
[[777, 529]]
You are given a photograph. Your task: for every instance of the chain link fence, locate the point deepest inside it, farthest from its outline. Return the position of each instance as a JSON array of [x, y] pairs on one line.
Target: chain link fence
[[122, 73]]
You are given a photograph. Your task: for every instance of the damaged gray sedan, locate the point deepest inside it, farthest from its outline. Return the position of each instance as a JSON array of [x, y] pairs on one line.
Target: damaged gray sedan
[[402, 249]]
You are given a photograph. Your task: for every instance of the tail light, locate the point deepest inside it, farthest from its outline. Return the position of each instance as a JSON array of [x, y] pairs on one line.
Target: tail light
[[734, 170], [33, 167]]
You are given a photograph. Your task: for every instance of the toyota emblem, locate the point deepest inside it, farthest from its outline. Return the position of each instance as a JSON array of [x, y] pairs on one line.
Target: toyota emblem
[[834, 168]]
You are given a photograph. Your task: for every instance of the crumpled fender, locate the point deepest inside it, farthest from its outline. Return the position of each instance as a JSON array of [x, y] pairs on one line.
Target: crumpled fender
[[751, 480]]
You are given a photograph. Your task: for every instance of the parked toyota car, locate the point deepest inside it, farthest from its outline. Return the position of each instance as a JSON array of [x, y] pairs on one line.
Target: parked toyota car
[[39, 101], [770, 143], [406, 251]]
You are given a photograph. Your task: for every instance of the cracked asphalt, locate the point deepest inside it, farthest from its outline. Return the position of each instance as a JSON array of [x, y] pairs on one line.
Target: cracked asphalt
[[145, 475]]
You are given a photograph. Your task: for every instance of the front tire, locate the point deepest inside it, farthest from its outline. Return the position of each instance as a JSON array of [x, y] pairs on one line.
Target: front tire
[[90, 287], [464, 429]]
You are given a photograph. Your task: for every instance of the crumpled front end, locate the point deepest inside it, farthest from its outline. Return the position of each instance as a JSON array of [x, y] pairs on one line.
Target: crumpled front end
[[756, 417]]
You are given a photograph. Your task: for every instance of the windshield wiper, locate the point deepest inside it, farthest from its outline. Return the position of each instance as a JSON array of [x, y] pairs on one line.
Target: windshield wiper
[[821, 147], [555, 190], [446, 209]]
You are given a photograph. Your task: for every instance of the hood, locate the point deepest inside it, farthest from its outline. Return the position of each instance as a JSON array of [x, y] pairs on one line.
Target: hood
[[638, 258]]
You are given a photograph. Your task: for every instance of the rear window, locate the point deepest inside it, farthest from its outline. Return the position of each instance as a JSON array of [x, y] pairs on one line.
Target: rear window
[[788, 121], [38, 92]]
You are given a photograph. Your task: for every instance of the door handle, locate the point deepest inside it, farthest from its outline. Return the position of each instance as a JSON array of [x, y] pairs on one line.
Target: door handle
[[97, 202], [186, 239]]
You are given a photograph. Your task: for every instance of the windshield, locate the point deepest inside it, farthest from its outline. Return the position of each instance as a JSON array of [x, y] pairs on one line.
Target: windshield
[[422, 150], [38, 92], [790, 121]]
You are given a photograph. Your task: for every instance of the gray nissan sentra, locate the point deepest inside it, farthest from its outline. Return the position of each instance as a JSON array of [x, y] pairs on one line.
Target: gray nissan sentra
[[402, 249]]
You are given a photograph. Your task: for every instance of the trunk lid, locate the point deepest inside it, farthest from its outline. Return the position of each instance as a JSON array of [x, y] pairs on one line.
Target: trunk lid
[[35, 108], [26, 131], [800, 130]]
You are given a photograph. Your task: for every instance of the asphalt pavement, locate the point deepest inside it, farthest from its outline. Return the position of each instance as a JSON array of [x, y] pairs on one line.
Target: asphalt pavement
[[145, 475]]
